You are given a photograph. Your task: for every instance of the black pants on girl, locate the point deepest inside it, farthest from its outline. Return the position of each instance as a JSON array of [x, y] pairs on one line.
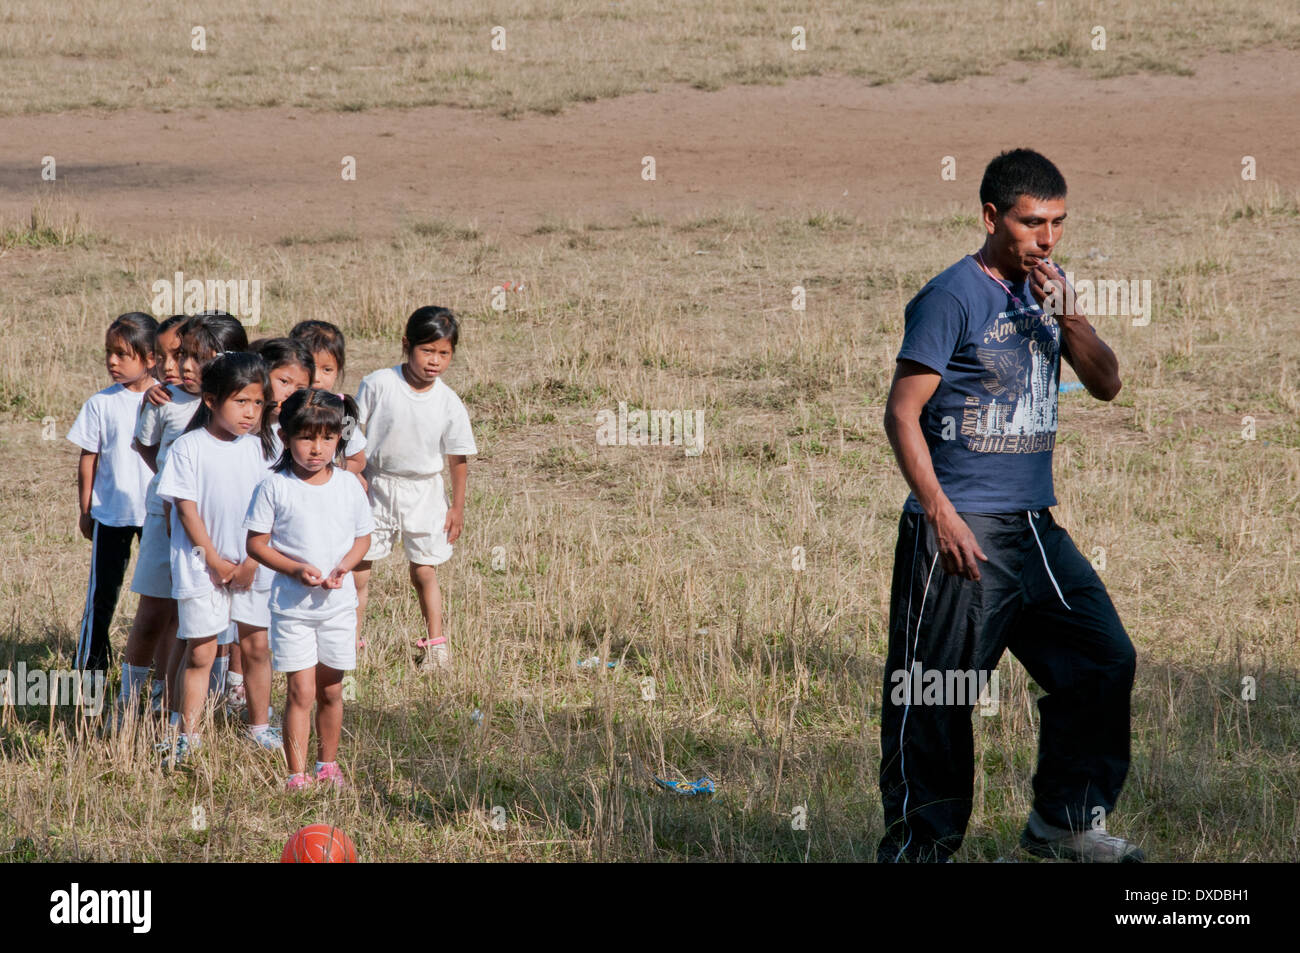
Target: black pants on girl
[[1039, 597], [110, 551]]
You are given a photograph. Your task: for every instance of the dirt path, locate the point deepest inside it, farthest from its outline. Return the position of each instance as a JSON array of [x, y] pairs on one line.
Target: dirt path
[[827, 143]]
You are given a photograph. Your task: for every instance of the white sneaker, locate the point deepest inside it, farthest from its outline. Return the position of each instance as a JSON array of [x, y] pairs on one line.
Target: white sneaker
[[436, 658], [1093, 846]]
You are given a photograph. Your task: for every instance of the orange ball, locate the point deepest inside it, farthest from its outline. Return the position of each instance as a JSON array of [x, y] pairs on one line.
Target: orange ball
[[319, 844]]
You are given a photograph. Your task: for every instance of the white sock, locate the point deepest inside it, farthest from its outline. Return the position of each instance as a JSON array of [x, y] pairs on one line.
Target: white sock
[[255, 730], [234, 679], [156, 694], [134, 678], [217, 679]]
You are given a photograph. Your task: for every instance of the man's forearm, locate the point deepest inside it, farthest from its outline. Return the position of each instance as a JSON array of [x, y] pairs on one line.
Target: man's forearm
[[1091, 358], [913, 456]]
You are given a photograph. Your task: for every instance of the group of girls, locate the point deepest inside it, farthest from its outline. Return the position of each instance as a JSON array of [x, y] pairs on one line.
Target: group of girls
[[261, 497]]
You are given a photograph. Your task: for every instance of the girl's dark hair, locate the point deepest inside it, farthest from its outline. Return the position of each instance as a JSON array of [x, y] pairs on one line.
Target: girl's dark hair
[[228, 374], [432, 323], [137, 331], [212, 332], [1020, 172], [321, 336], [281, 352], [309, 411], [176, 322]]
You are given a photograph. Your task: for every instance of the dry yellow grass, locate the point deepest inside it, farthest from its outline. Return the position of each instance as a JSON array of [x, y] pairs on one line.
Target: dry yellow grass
[[311, 53], [766, 678]]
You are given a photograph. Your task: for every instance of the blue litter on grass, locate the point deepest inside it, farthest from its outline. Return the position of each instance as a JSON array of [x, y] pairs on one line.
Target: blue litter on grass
[[1070, 388], [594, 662], [476, 716], [703, 786]]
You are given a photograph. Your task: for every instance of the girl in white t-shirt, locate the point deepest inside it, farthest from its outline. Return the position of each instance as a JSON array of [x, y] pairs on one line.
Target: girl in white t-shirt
[[411, 420], [290, 367], [155, 615], [328, 354], [309, 523], [209, 477], [111, 479], [184, 345]]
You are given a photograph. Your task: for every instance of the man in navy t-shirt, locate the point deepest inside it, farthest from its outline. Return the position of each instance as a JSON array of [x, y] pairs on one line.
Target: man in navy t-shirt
[[980, 565], [991, 423]]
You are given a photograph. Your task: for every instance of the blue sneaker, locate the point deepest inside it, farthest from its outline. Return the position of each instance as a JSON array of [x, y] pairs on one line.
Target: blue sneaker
[[183, 752]]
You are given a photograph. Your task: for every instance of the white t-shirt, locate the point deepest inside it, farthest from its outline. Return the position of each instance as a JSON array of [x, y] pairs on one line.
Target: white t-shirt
[[160, 425], [312, 524], [407, 432], [105, 426], [220, 476], [265, 574]]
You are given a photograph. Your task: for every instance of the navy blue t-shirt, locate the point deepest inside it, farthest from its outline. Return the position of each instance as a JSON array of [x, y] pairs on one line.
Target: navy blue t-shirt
[[991, 424]]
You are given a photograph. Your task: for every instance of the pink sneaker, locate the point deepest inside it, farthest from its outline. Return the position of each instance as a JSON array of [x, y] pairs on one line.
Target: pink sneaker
[[330, 773], [297, 782]]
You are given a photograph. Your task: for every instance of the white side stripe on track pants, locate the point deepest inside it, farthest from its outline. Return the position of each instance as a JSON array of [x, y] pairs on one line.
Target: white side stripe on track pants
[[907, 664], [88, 614], [1045, 566]]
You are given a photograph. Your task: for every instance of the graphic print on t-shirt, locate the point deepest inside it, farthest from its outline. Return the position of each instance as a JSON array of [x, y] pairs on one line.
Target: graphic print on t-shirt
[[991, 423], [1019, 351]]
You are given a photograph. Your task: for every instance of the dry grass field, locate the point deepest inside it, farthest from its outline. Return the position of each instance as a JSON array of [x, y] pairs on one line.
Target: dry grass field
[[316, 54], [679, 567], [750, 582]]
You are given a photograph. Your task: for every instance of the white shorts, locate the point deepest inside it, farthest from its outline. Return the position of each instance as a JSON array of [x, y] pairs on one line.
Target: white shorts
[[413, 509], [251, 607], [298, 644], [201, 617], [153, 566]]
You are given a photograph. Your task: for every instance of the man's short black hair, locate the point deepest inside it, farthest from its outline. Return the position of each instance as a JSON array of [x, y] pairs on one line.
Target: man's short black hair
[[1020, 172]]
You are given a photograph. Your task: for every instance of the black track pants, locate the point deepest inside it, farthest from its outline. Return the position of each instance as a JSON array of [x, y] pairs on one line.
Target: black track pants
[[1039, 597], [110, 551]]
